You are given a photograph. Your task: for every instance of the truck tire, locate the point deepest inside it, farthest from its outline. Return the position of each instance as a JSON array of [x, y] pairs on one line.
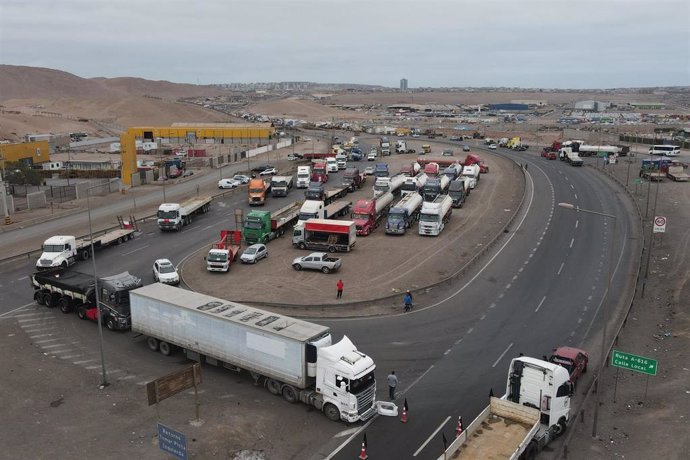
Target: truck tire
[[120, 240], [110, 323], [297, 267], [51, 300], [273, 386], [325, 270], [152, 343], [81, 312], [563, 426], [64, 265], [331, 412], [290, 394], [530, 452], [332, 249], [84, 254], [301, 245], [165, 348], [65, 304], [39, 298]]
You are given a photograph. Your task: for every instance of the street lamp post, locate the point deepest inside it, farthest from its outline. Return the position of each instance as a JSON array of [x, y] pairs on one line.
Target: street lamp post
[[603, 357], [104, 381]]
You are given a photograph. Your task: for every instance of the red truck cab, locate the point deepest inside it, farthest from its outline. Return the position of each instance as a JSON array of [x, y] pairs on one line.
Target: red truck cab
[[431, 169], [573, 359], [319, 173], [363, 214], [473, 159]]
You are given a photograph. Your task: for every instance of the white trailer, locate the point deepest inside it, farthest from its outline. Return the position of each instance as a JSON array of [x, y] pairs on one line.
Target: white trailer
[[173, 216], [533, 412], [286, 355], [435, 215], [314, 209]]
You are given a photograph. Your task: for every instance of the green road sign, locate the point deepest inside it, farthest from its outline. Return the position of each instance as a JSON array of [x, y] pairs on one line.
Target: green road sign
[[633, 362], [638, 181]]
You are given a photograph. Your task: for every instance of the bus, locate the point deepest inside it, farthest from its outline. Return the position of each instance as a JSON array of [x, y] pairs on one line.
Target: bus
[[667, 150]]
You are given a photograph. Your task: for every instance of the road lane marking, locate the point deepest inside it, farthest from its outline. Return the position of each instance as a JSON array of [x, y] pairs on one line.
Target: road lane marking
[[446, 352], [572, 242], [55, 346], [17, 309], [482, 318], [85, 361], [577, 222], [29, 314], [135, 250], [23, 278], [469, 331], [576, 196], [26, 320], [572, 186], [503, 354], [560, 268], [428, 440], [540, 304], [47, 340]]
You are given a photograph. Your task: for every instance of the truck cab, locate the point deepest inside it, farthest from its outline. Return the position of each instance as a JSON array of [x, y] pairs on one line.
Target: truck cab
[[315, 191], [311, 209], [257, 192], [168, 216], [332, 165], [363, 214], [319, 173], [303, 176], [458, 191], [58, 251], [353, 178], [381, 170], [431, 169], [257, 226]]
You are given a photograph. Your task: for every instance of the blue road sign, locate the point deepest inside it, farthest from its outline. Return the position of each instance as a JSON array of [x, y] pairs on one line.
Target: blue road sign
[[172, 442]]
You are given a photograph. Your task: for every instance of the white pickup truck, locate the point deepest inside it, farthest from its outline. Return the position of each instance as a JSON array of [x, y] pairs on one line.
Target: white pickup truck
[[317, 261]]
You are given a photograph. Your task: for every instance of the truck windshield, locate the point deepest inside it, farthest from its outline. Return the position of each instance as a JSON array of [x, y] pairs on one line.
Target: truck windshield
[[306, 215], [53, 248], [218, 257], [409, 186], [381, 187], [250, 223], [303, 176], [362, 383], [395, 215], [167, 214], [428, 217], [360, 216], [256, 190], [455, 194], [280, 184]]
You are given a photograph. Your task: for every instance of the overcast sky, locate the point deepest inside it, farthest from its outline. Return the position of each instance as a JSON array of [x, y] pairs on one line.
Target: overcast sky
[[524, 43]]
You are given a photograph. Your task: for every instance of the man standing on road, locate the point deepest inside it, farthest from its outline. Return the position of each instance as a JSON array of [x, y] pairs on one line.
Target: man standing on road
[[407, 299], [339, 286], [392, 383]]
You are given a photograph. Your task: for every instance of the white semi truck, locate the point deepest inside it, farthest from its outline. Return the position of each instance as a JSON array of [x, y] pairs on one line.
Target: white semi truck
[[174, 216], [414, 184], [281, 185], [534, 411], [435, 215], [471, 172], [389, 184], [65, 250], [303, 176], [314, 209], [290, 357]]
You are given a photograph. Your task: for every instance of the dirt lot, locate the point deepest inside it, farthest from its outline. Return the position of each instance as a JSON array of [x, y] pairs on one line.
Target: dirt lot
[[389, 268]]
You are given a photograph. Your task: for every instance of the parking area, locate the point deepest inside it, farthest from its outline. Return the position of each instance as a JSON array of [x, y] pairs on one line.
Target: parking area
[[380, 266]]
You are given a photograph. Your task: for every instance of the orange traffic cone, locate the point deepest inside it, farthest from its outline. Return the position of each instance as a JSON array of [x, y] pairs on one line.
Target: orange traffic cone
[[458, 430], [363, 454], [403, 419]]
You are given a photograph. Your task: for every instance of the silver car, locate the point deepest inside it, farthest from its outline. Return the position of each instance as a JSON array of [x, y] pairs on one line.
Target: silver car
[[254, 253]]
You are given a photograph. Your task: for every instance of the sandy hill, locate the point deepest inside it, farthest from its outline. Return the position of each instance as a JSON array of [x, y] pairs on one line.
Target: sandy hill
[[38, 100]]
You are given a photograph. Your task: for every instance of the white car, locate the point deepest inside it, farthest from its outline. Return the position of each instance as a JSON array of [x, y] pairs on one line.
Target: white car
[[492, 147], [165, 272], [254, 253], [369, 170], [242, 179], [228, 183], [372, 156], [268, 172]]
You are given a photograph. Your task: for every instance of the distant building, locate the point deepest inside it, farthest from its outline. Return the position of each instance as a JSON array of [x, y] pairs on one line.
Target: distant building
[[403, 84], [29, 153], [508, 107], [530, 102], [592, 106], [648, 105]]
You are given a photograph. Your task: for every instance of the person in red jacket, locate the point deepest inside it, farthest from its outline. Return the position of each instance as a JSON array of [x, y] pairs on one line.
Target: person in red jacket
[[340, 287]]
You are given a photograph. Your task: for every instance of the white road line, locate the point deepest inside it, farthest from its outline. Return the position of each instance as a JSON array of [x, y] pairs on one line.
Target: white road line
[[508, 285], [17, 309], [503, 354], [577, 222], [127, 377], [28, 314], [93, 367], [26, 320], [576, 196], [493, 305], [71, 356], [458, 341], [469, 331], [483, 317], [428, 440], [561, 268], [85, 361], [23, 278], [39, 336], [572, 242], [572, 186], [47, 340], [540, 304], [56, 345], [446, 352], [135, 250]]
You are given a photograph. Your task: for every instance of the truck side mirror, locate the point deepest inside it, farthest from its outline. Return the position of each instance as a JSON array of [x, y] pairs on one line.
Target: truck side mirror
[[204, 257]]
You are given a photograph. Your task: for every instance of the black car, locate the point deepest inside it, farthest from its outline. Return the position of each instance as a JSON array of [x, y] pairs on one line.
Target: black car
[[261, 168]]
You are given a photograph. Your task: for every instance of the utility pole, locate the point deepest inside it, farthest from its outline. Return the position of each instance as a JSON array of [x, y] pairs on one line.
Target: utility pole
[[3, 190]]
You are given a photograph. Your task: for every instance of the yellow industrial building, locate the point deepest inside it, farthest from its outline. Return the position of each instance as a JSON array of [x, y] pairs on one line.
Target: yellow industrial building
[[30, 153]]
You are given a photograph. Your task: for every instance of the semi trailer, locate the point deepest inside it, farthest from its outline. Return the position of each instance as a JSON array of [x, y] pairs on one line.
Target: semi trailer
[[368, 213], [403, 214], [174, 216], [264, 226], [325, 235]]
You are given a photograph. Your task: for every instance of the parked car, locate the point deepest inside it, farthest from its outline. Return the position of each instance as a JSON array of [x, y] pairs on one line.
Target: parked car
[[268, 172], [317, 261], [372, 156], [228, 183], [254, 253], [294, 156], [165, 272], [369, 171], [241, 178], [492, 147], [262, 168], [447, 153], [465, 148], [187, 173], [573, 359], [455, 138]]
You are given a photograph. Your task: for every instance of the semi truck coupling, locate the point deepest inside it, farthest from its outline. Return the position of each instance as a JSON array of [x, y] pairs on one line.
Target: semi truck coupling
[[288, 356]]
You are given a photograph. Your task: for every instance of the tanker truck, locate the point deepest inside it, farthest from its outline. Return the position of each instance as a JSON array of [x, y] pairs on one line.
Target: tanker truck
[[368, 213]]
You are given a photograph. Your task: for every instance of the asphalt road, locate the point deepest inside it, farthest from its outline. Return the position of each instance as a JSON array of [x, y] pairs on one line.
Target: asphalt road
[[542, 287]]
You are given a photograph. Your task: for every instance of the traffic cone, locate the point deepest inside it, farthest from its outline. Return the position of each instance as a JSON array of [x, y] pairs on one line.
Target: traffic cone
[[403, 419], [458, 430], [363, 455]]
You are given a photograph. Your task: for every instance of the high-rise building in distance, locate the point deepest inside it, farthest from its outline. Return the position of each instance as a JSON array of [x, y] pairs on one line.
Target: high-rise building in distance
[[403, 84]]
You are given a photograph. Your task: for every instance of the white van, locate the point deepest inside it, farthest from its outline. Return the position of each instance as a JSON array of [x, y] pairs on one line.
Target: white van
[[667, 150], [303, 176]]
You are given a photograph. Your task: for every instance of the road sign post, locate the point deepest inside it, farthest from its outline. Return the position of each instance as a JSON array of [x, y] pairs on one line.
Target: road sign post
[[659, 224], [633, 362]]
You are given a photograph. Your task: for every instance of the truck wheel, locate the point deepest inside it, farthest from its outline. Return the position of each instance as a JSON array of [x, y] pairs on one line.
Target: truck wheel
[[563, 425], [65, 305], [325, 270], [120, 240], [297, 267], [273, 386], [290, 394], [530, 452], [331, 412], [301, 245], [64, 264], [39, 298], [152, 343], [84, 254], [51, 300], [110, 324], [165, 348], [81, 312], [331, 249]]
